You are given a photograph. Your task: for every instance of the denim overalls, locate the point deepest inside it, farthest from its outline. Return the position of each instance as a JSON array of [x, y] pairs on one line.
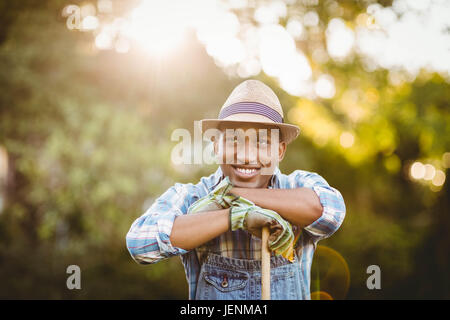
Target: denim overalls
[[223, 278]]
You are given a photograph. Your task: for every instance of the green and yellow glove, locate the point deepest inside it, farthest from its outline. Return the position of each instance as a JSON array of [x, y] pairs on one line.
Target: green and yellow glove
[[246, 215], [219, 198]]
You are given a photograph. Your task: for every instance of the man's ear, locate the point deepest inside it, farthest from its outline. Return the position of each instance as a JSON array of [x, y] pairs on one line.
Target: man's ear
[[281, 150]]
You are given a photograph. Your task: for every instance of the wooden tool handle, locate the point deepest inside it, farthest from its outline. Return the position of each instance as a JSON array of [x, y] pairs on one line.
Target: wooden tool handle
[[265, 265]]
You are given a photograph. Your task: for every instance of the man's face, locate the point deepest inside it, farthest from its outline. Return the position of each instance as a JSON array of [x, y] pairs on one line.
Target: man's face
[[249, 153]]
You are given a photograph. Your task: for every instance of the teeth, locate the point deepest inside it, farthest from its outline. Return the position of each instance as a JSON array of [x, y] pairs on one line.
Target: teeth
[[246, 171]]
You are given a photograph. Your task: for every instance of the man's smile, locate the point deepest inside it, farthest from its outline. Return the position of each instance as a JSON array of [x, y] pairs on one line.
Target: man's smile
[[245, 172]]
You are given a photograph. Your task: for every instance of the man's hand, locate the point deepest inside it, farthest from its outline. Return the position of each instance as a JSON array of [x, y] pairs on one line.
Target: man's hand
[[247, 216], [219, 198]]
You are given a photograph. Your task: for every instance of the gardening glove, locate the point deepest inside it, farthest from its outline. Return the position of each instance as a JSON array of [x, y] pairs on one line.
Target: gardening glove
[[245, 215], [219, 198]]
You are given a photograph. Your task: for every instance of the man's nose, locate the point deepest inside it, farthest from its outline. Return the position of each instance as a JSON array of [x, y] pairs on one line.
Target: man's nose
[[247, 152]]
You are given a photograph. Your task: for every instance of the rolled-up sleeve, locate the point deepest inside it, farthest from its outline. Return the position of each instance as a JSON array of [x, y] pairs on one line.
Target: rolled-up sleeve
[[148, 239], [333, 204]]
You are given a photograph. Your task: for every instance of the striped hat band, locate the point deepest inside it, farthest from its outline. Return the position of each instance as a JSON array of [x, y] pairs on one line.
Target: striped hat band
[[251, 107]]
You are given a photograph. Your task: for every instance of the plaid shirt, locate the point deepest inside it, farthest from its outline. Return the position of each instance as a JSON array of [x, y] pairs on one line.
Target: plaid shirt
[[148, 240]]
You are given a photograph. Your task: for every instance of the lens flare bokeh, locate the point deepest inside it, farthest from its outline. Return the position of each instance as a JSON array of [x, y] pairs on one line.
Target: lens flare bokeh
[[330, 275]]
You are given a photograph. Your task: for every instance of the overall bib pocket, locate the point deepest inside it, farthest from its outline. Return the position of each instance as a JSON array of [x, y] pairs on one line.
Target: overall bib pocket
[[218, 283]]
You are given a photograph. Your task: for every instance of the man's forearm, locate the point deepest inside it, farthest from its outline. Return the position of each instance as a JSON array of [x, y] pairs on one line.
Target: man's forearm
[[192, 230], [300, 206]]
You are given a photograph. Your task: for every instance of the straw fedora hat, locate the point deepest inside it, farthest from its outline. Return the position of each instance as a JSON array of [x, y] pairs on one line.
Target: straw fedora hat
[[253, 101]]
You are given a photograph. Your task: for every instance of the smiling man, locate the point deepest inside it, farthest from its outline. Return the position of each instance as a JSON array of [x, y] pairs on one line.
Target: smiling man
[[214, 225]]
